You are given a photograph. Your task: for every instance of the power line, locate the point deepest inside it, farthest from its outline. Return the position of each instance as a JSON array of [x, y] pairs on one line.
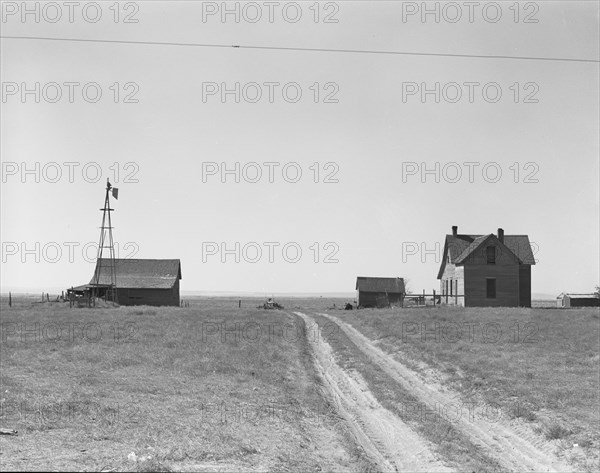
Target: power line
[[322, 50]]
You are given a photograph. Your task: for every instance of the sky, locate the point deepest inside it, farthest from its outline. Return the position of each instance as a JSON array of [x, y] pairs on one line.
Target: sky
[[381, 140]]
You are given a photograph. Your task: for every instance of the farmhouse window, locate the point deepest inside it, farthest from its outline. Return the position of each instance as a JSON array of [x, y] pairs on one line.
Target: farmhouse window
[[491, 254], [490, 288]]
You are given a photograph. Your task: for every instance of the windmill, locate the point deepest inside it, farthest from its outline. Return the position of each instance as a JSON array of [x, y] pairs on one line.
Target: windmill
[[105, 277]]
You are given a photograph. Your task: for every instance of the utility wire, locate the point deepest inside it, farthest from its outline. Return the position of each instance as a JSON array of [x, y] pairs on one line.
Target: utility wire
[[322, 50]]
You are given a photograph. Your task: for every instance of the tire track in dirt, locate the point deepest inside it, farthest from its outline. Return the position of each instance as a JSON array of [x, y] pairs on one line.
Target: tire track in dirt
[[388, 441], [512, 448]]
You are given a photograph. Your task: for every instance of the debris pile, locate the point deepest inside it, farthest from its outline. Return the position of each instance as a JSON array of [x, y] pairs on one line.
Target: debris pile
[[270, 304]]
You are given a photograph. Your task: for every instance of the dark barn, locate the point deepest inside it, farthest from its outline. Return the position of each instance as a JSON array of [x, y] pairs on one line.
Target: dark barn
[[578, 300], [379, 292], [143, 281], [486, 270]]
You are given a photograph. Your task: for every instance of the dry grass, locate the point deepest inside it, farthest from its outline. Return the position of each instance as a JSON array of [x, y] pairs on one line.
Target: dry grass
[[165, 384], [168, 385], [539, 365]]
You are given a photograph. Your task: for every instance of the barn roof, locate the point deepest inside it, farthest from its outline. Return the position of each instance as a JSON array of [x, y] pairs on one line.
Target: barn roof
[[369, 284], [83, 287], [140, 273]]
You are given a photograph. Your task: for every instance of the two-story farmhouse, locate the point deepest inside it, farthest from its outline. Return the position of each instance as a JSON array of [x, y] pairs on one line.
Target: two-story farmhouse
[[486, 270]]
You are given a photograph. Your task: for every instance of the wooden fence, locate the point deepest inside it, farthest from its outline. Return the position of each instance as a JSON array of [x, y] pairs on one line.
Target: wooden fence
[[436, 299], [21, 300]]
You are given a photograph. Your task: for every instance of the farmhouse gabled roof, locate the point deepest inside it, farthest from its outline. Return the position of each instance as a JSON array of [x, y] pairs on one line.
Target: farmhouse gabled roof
[[469, 249], [390, 285], [478, 242], [461, 246], [517, 244], [140, 273]]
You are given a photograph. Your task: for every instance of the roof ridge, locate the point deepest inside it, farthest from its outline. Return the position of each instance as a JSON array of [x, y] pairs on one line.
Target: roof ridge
[[476, 235], [143, 259]]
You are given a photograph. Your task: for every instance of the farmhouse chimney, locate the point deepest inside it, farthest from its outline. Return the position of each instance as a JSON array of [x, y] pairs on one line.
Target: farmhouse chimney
[[501, 235], [454, 230]]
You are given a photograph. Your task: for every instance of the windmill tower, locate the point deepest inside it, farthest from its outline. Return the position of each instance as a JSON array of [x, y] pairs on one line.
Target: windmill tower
[[105, 277]]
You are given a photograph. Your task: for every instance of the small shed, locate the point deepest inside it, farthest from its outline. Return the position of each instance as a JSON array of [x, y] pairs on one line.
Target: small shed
[[577, 300], [379, 292]]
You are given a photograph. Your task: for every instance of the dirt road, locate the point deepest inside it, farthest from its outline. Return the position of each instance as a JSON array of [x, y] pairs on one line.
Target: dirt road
[[516, 449], [388, 441]]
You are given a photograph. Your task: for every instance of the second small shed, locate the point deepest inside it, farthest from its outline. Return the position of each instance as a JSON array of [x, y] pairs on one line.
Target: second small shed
[[379, 292], [578, 300]]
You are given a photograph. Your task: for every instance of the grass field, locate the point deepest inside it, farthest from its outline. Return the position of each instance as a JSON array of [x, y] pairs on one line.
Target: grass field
[[539, 366], [172, 386], [214, 387]]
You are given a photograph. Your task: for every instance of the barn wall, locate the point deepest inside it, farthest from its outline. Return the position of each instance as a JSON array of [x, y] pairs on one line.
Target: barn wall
[[175, 294], [525, 285], [367, 299], [507, 285], [372, 299], [147, 296]]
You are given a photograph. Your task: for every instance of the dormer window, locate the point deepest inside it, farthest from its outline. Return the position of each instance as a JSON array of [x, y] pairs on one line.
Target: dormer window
[[491, 254]]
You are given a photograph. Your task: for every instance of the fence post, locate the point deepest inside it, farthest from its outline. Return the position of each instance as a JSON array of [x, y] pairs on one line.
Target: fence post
[[9, 299], [434, 300]]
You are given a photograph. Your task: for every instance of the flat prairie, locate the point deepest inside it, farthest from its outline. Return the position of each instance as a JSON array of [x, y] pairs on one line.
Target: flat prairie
[[209, 387], [537, 369], [216, 387]]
